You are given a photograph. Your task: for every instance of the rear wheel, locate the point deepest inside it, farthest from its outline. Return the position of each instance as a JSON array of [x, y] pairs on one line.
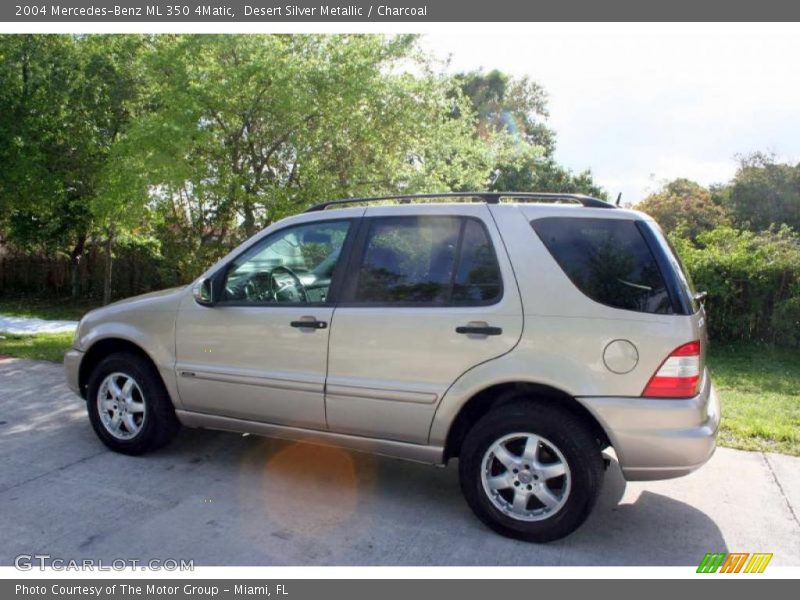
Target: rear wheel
[[531, 471], [129, 407]]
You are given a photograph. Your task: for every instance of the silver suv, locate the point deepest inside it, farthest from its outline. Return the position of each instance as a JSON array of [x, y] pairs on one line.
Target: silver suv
[[521, 333]]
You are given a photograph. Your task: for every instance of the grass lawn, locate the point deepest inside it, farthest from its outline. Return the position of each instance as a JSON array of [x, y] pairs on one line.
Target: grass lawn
[[760, 391], [42, 346], [45, 308]]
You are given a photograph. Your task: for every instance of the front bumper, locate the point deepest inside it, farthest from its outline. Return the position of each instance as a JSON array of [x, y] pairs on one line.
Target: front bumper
[[659, 438], [72, 368]]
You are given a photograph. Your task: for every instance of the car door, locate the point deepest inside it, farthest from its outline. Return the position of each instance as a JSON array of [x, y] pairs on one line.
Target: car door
[[429, 294], [260, 352]]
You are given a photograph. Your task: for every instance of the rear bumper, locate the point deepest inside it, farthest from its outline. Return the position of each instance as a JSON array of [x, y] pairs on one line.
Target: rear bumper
[[659, 438], [72, 366]]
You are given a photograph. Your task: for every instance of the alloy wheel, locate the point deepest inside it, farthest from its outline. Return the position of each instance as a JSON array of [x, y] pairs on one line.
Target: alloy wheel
[[121, 406], [525, 476]]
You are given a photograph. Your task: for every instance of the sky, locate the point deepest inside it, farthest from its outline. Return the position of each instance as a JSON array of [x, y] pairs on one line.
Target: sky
[[640, 106]]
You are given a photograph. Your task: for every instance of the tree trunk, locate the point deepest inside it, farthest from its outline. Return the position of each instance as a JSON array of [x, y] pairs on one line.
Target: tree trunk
[[74, 267], [249, 222], [109, 262]]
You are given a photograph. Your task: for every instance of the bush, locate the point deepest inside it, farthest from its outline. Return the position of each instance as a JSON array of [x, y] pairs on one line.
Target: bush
[[752, 280], [684, 205], [786, 322]]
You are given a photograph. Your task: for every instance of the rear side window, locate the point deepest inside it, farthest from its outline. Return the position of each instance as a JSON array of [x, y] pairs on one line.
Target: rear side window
[[683, 282], [427, 260], [477, 278], [608, 260]]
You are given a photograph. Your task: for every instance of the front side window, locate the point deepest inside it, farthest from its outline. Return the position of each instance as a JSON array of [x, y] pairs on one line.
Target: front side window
[[608, 260], [294, 266], [427, 260]]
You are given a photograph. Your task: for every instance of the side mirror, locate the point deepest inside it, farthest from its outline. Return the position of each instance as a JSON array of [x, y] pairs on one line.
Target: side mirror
[[203, 292]]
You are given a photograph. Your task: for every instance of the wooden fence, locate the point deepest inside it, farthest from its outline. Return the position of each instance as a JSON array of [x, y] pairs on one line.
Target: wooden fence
[[135, 271]]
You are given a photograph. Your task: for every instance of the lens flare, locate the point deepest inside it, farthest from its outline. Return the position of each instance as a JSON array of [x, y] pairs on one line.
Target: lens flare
[[307, 488]]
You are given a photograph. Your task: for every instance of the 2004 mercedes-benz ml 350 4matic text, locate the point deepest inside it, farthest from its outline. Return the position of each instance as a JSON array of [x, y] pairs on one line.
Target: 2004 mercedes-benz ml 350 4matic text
[[522, 333]]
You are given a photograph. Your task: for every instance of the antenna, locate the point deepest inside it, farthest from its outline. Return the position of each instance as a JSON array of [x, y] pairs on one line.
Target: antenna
[[619, 197]]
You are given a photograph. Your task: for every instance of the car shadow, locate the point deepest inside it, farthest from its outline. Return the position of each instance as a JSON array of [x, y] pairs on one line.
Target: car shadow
[[357, 503], [641, 527]]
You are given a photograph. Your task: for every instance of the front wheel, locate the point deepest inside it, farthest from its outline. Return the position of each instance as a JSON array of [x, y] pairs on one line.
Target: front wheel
[[531, 471], [128, 405]]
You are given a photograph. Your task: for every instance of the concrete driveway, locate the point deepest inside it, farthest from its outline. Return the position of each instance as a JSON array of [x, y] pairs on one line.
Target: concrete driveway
[[225, 499]]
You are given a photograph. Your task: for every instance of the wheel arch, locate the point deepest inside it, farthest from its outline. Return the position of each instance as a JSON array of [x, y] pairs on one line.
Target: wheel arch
[[104, 347], [480, 403]]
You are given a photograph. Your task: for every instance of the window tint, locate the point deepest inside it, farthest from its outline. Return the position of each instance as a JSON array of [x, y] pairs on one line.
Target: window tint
[[478, 276], [414, 260], [608, 260], [294, 265], [685, 283]]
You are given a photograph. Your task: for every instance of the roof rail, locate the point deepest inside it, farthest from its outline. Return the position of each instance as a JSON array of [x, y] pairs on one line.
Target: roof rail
[[487, 197]]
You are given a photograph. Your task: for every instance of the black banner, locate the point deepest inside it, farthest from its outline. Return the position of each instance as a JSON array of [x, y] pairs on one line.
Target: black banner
[[335, 589], [316, 11]]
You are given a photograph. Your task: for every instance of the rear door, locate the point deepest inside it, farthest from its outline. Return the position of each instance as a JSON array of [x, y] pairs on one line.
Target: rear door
[[429, 294]]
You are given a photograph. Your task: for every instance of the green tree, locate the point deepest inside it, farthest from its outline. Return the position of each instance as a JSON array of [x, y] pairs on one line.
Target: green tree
[[765, 192], [517, 109], [684, 205], [247, 129], [46, 146], [515, 105], [63, 104]]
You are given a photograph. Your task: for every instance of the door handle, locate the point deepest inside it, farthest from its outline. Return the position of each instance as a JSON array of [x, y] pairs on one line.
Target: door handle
[[476, 329], [309, 323]]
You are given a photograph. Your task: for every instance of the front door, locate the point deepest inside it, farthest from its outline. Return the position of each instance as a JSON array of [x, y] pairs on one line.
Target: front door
[[260, 352], [429, 294]]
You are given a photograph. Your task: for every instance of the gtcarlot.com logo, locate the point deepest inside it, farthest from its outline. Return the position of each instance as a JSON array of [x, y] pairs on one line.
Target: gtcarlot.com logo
[[28, 562]]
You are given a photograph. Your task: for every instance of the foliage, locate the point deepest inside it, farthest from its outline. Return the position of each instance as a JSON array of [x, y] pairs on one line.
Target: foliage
[[752, 280], [765, 192], [249, 129], [517, 108], [503, 103], [785, 321], [738, 242], [545, 175], [760, 401], [46, 143], [684, 205], [64, 102]]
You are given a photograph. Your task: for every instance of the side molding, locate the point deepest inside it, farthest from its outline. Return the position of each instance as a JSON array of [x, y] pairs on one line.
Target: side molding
[[432, 455]]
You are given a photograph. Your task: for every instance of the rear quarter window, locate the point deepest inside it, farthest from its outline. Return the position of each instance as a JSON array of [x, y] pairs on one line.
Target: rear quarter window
[[608, 260]]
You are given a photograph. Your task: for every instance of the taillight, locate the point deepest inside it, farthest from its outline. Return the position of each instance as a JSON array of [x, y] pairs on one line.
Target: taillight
[[678, 376]]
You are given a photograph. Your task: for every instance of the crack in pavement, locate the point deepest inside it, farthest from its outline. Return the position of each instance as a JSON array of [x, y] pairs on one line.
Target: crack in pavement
[[780, 488], [3, 490]]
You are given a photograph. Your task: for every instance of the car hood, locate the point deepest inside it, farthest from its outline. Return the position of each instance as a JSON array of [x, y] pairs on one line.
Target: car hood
[[150, 300], [164, 300]]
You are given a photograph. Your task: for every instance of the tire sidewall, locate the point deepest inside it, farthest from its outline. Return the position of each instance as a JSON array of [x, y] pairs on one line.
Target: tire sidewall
[[555, 428]]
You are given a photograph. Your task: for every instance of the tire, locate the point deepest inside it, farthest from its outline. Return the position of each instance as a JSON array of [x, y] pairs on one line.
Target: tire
[[152, 423], [497, 495]]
